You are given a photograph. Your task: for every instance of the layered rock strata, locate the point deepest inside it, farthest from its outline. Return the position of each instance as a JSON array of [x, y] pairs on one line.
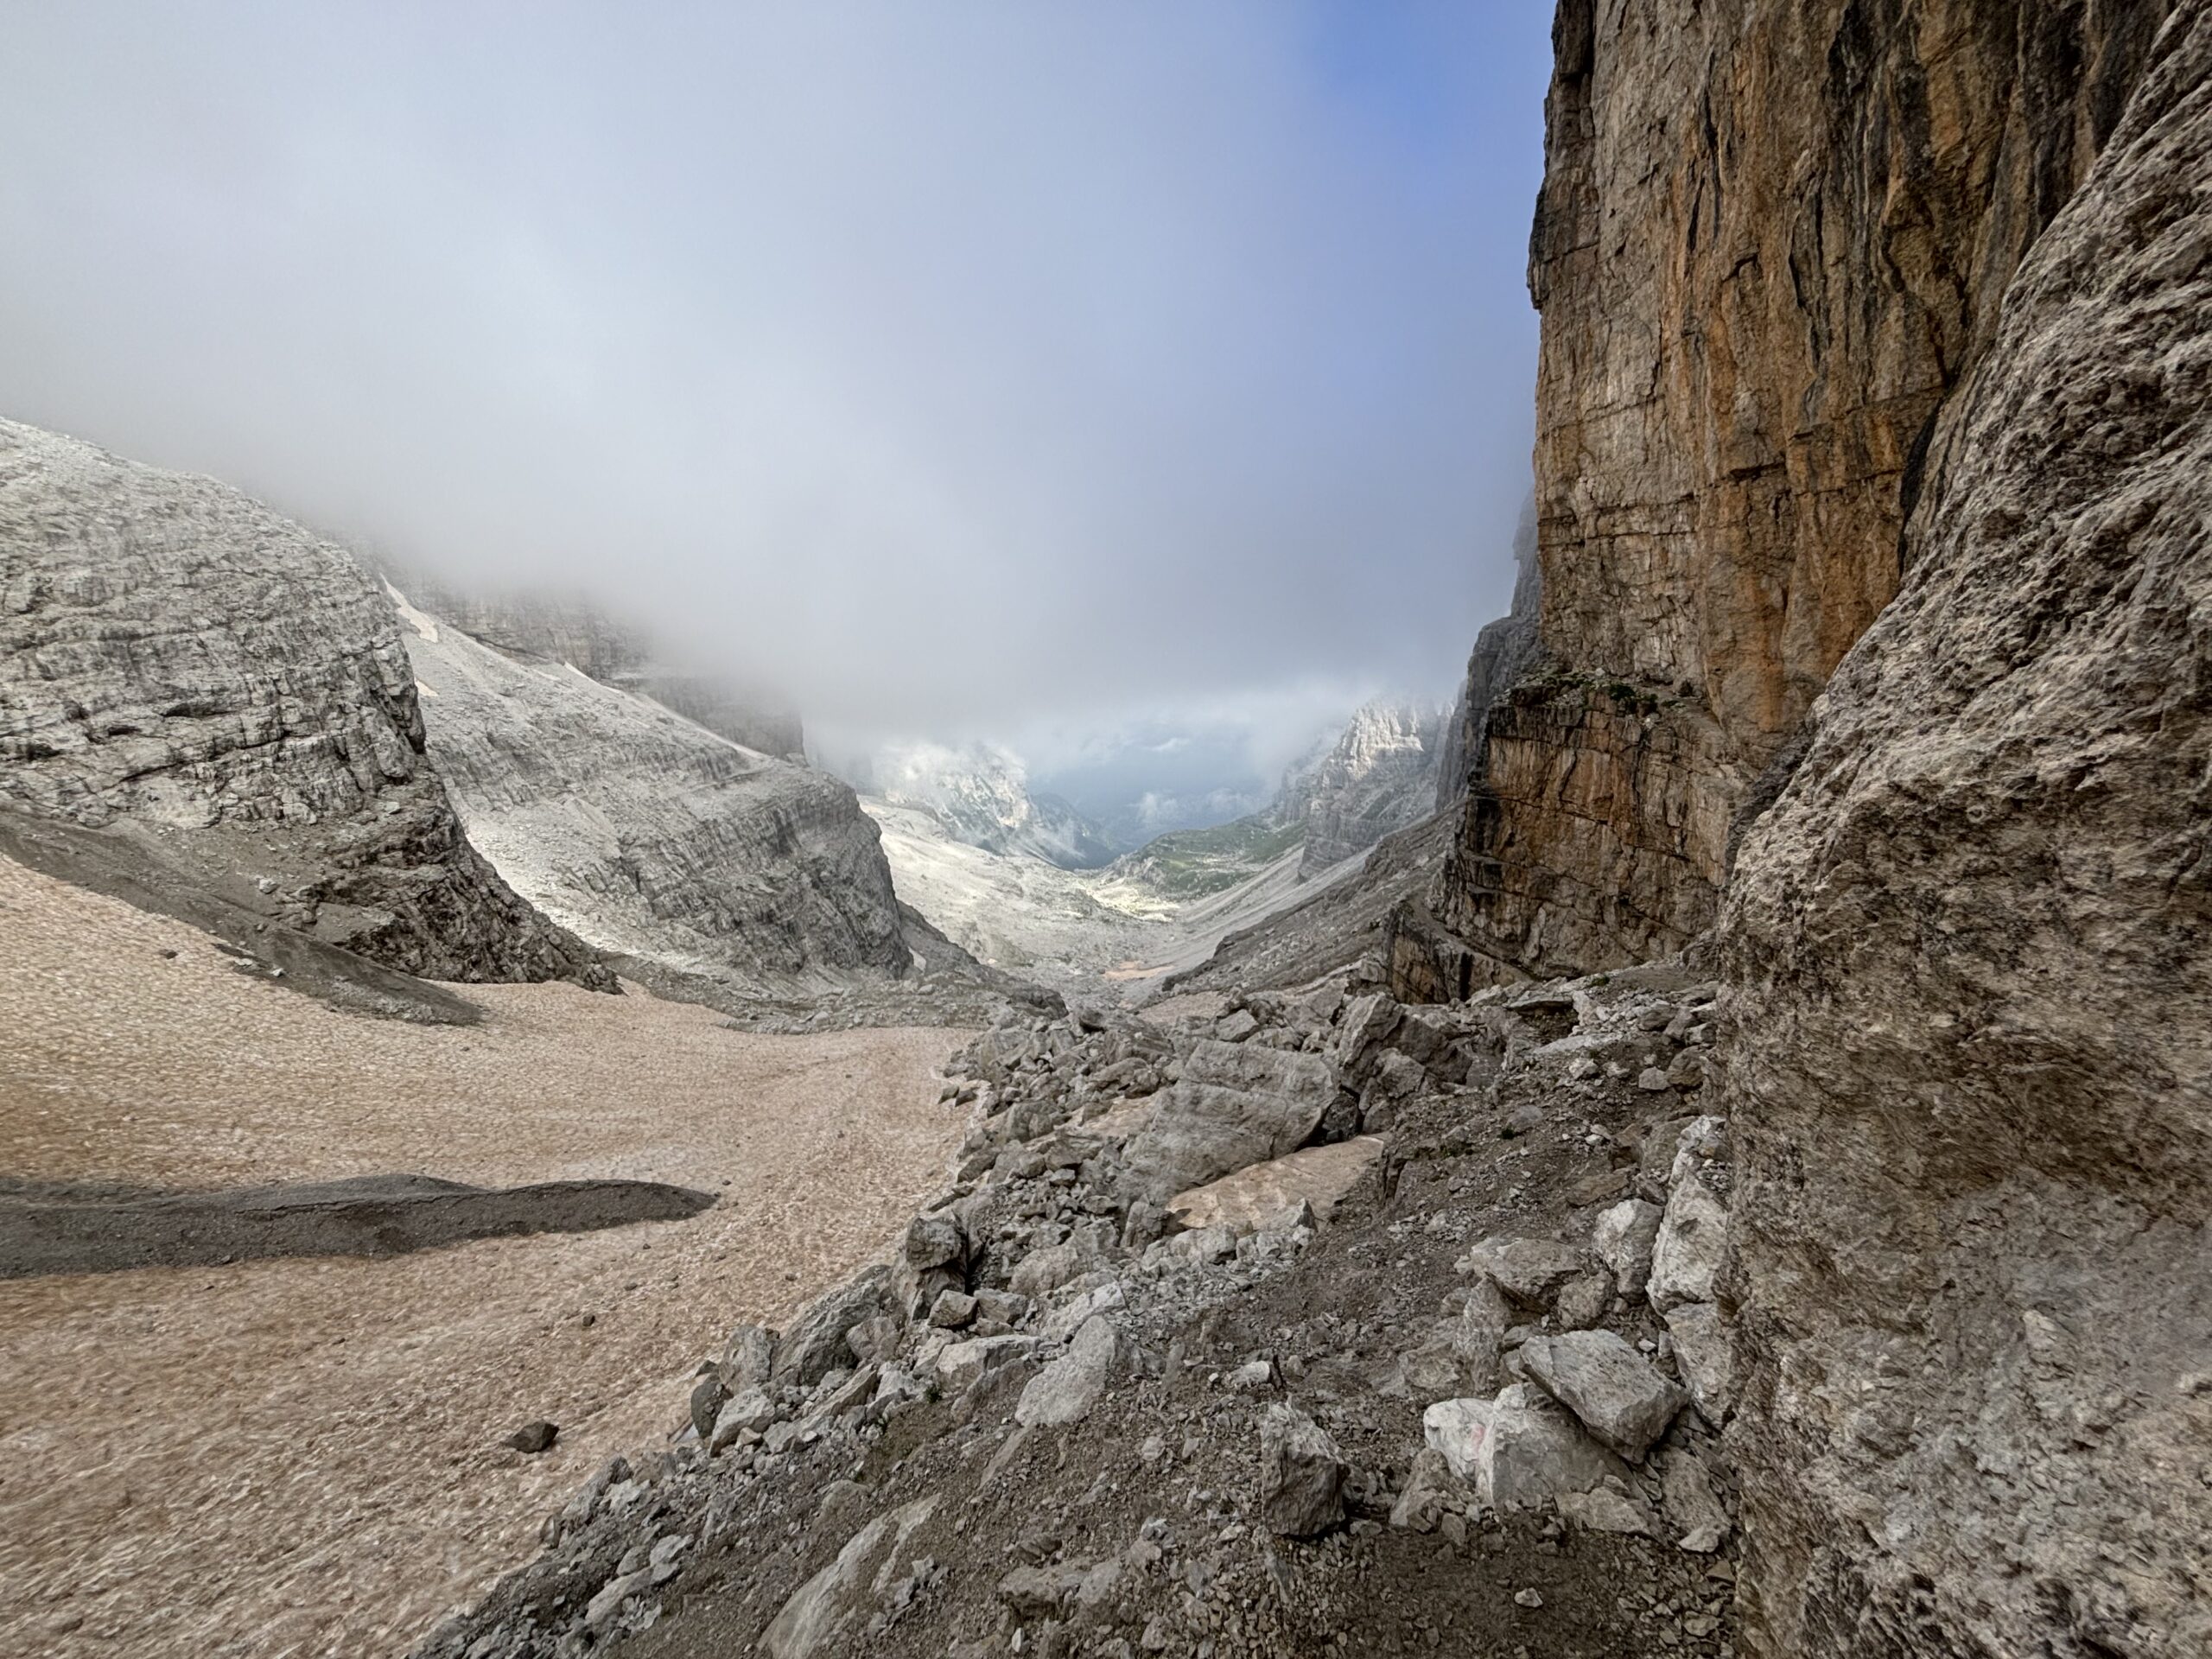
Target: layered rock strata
[[580, 633], [1972, 1072], [1770, 242], [177, 657], [647, 833]]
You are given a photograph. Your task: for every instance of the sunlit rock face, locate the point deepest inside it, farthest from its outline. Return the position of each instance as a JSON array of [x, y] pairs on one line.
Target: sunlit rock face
[[1770, 243], [177, 658]]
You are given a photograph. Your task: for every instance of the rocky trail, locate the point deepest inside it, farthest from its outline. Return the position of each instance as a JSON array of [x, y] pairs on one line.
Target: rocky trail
[[1452, 1380]]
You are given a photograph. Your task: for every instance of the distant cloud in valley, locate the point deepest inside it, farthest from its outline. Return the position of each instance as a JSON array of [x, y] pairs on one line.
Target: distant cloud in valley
[[965, 369]]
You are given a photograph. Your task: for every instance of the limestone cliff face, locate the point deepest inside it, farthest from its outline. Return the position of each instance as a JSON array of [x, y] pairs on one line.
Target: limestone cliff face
[[1503, 651], [643, 831], [174, 656], [1378, 777], [1771, 242], [1970, 947]]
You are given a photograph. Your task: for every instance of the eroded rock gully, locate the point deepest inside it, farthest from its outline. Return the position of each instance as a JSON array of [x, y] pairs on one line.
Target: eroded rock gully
[[1881, 354]]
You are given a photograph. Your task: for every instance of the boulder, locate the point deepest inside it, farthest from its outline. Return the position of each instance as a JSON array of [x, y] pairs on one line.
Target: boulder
[[826, 1615], [1064, 1391], [1582, 1301], [707, 1396], [1519, 1450], [1692, 1243], [1237, 1104], [1367, 1024], [749, 1411], [1699, 1518], [953, 1310], [1529, 1270], [935, 1242], [1623, 1240], [1259, 1197], [816, 1343], [749, 1356], [1705, 1354], [1235, 1027], [1610, 1386], [1427, 1493], [963, 1364], [1608, 1509], [1301, 1475]]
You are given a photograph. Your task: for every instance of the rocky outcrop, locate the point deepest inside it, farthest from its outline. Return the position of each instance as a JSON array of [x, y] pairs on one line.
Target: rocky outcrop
[[1378, 777], [1771, 242], [1504, 650], [176, 657], [1973, 1074], [645, 832]]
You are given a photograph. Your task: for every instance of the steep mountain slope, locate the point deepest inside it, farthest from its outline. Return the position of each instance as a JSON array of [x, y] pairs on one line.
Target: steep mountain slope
[[1971, 1073], [1770, 242], [582, 633], [981, 795], [643, 831], [1377, 777], [176, 657]]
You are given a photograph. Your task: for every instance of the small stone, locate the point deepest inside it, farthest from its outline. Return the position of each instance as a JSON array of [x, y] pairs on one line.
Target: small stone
[[1526, 1599], [1254, 1377], [533, 1438], [1653, 1081]]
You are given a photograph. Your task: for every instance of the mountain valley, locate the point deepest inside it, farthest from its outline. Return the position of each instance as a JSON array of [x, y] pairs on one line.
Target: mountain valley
[[1703, 1147]]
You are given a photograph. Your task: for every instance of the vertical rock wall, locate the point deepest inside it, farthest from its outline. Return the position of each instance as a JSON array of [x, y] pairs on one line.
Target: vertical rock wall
[[1504, 650], [1970, 949], [1770, 242]]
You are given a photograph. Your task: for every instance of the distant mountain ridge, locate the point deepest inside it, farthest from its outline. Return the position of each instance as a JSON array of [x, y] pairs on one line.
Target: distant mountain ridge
[[979, 793]]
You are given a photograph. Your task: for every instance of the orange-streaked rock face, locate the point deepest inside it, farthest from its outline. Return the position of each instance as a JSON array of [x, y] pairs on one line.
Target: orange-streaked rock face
[[1770, 241]]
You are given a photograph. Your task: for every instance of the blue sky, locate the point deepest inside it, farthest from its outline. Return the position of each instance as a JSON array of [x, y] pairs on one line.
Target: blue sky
[[971, 367]]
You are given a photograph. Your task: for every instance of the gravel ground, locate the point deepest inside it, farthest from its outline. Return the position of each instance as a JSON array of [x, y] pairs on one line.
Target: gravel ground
[[303, 1457]]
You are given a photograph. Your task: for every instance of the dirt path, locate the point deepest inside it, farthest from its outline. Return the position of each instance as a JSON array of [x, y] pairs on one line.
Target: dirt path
[[303, 1457]]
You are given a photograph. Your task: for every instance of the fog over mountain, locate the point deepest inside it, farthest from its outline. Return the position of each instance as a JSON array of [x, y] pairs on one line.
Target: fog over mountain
[[1090, 380]]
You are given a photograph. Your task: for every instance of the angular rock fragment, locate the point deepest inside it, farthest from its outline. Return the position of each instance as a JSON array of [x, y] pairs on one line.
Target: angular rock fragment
[[1237, 1104], [1610, 1386], [1301, 1475], [816, 1343], [1064, 1391], [1520, 1451], [1693, 1242], [1705, 1354], [1623, 1238]]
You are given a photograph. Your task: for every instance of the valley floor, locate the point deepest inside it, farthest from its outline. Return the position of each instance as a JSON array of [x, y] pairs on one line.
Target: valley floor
[[293, 1456]]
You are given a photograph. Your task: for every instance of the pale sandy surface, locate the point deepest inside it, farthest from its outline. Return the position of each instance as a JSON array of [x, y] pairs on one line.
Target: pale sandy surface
[[303, 1457]]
